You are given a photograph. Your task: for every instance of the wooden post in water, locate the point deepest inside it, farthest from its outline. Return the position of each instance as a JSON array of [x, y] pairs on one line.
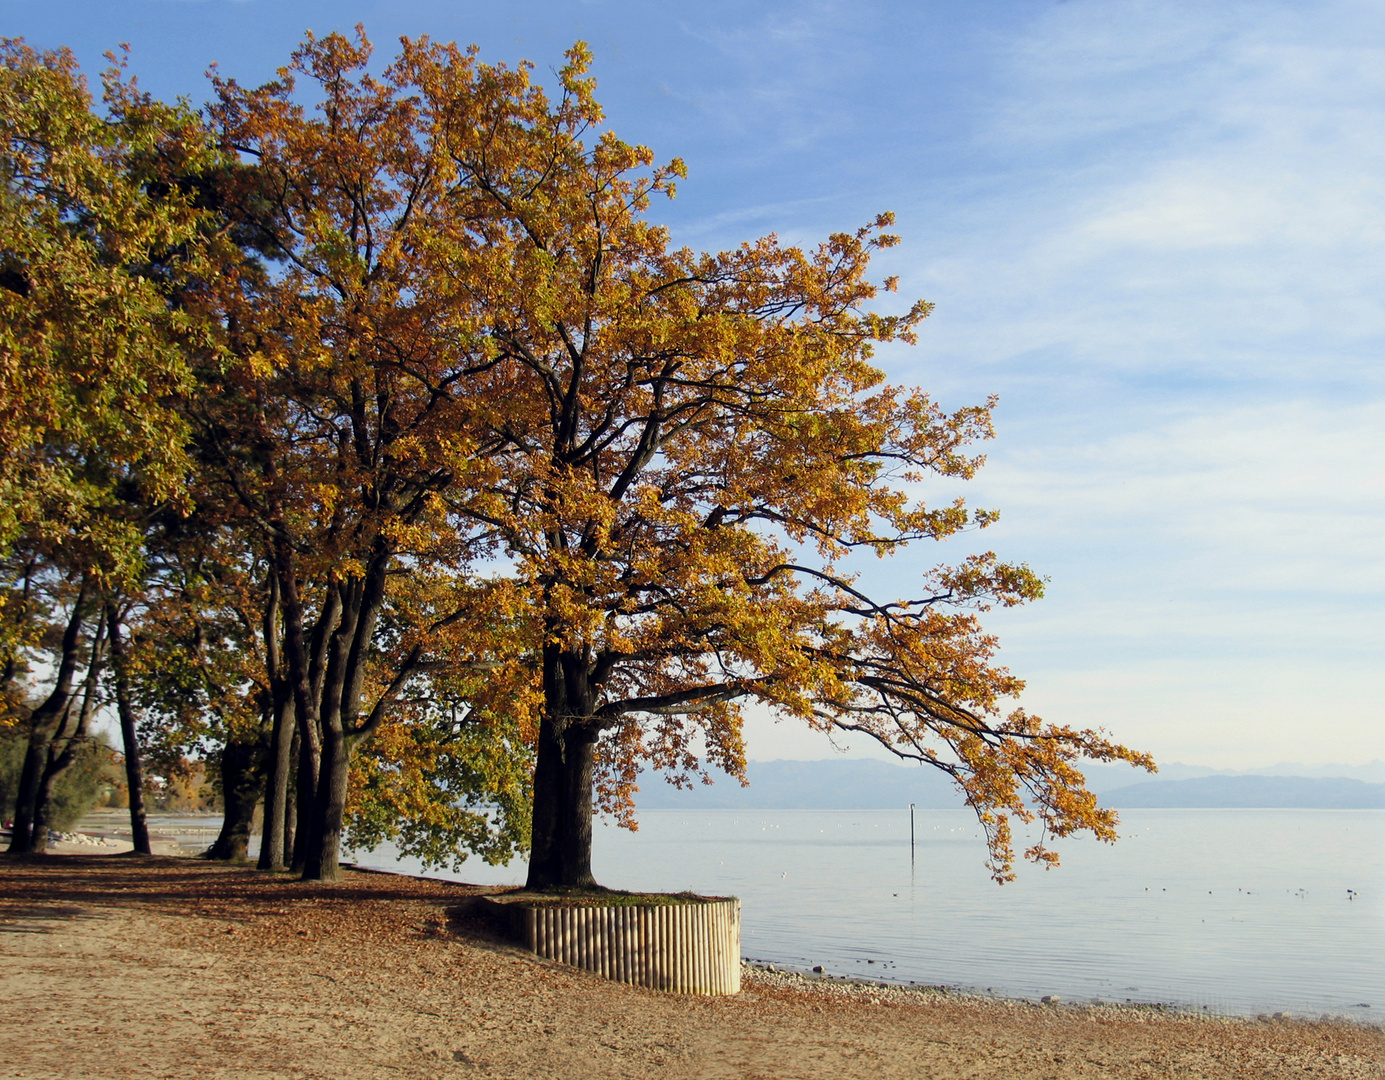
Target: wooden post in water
[[911, 834]]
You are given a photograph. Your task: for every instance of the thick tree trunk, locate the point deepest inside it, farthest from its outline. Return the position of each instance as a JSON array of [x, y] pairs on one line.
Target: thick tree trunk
[[343, 683], [324, 821], [561, 837], [23, 837], [43, 726], [562, 826], [322, 862], [242, 781]]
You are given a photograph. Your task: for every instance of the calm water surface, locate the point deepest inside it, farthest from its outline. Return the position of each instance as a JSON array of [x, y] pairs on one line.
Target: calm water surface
[[1237, 911]]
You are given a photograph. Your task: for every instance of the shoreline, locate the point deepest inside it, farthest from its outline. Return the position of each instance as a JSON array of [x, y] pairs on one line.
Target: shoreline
[[807, 979], [804, 979], [879, 991], [172, 965]]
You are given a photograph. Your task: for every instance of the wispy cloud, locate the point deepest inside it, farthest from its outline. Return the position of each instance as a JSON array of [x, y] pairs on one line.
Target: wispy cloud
[[1172, 275]]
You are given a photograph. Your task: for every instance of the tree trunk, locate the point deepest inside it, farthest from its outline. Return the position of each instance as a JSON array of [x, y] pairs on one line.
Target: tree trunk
[[242, 781], [305, 794], [63, 750], [43, 726], [291, 800], [11, 690], [561, 837], [129, 738], [343, 683], [297, 665], [280, 741], [323, 825], [276, 790], [322, 861]]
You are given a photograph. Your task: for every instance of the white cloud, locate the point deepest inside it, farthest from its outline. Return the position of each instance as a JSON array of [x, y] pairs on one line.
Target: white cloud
[[1172, 276]]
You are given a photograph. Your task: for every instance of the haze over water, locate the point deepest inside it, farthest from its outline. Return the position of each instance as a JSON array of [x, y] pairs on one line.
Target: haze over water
[[1235, 911]]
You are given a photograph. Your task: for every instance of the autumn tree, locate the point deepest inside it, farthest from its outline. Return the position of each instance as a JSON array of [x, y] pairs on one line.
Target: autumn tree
[[336, 417], [687, 454], [91, 353]]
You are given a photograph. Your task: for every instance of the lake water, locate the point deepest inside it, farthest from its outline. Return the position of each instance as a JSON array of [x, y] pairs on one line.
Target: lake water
[[1234, 911]]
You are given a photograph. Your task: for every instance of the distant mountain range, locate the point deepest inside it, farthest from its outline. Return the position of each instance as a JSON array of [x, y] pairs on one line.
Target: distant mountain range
[[865, 784], [1305, 792]]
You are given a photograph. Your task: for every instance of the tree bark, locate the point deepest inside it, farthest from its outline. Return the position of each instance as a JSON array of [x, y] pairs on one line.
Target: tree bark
[[305, 793], [561, 837], [322, 858], [291, 800], [343, 682], [322, 827], [57, 762], [305, 705], [276, 791], [43, 726], [129, 738], [242, 781], [272, 847]]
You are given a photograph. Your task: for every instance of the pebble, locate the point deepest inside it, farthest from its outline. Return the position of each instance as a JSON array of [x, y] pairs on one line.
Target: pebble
[[79, 838], [886, 993]]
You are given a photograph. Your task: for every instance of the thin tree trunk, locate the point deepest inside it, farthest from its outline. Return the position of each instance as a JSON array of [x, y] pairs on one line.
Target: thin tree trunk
[[134, 765], [61, 759], [43, 725], [56, 764], [291, 799], [305, 703], [561, 837], [305, 793], [280, 742], [10, 690], [276, 792]]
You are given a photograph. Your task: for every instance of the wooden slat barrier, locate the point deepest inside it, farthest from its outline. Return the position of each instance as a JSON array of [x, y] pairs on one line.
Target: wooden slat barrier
[[689, 948]]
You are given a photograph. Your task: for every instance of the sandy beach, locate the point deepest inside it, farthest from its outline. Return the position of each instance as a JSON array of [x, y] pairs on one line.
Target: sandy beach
[[118, 966]]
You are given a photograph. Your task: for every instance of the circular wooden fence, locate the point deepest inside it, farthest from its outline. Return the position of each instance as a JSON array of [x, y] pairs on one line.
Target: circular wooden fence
[[686, 947]]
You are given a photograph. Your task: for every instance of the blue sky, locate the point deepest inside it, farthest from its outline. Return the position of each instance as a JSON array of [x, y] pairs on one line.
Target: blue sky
[[1154, 229]]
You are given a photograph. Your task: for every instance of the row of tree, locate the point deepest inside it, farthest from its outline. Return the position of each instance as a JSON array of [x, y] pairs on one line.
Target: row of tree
[[366, 435]]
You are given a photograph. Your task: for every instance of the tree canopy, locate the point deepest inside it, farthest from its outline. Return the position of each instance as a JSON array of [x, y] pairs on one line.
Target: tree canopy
[[92, 356], [499, 497]]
